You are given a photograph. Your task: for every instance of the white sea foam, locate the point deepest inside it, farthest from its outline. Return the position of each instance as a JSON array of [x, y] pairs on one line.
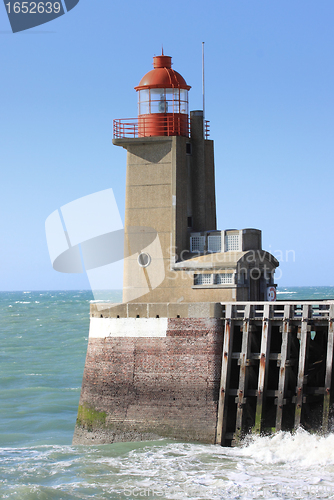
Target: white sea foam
[[301, 449], [264, 468], [283, 466]]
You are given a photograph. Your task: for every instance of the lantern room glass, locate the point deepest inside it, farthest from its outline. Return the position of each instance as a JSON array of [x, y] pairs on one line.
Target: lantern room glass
[[172, 100]]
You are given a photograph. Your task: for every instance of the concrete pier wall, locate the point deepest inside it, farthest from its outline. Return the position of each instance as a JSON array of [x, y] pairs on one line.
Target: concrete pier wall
[[140, 387]]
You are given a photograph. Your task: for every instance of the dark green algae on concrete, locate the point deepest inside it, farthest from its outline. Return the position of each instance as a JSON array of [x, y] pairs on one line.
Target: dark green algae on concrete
[[92, 427], [89, 418]]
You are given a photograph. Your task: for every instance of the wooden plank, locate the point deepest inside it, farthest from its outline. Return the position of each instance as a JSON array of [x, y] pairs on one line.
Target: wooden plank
[[240, 399], [301, 365], [329, 368], [257, 355], [263, 367], [283, 367], [225, 377]]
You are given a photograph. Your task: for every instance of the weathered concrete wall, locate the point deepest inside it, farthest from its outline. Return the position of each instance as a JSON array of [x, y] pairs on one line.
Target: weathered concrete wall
[[142, 311], [137, 388]]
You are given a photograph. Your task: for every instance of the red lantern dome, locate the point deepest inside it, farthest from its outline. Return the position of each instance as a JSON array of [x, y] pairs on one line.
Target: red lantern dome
[[162, 101]]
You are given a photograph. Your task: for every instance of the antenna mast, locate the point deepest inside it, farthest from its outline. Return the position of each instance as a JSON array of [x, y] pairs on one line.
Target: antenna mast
[[203, 84]]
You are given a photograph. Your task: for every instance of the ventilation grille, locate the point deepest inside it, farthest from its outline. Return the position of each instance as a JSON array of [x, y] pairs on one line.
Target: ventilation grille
[[232, 242], [214, 244], [197, 244]]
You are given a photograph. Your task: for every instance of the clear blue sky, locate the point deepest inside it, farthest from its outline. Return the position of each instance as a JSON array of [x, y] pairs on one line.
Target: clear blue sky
[[269, 98]]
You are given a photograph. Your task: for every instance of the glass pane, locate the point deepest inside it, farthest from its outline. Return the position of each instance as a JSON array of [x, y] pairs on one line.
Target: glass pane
[[143, 102], [158, 101], [169, 94], [176, 106], [184, 107], [144, 95], [172, 100], [144, 108], [184, 101], [183, 95]]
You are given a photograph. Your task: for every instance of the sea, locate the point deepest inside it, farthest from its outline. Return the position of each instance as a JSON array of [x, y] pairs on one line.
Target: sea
[[43, 342]]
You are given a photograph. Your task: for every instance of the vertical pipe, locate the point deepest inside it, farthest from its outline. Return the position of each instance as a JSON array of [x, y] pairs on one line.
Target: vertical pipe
[[198, 172], [203, 87]]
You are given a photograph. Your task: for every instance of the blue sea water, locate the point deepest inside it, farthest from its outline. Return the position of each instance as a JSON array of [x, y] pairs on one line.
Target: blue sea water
[[43, 342]]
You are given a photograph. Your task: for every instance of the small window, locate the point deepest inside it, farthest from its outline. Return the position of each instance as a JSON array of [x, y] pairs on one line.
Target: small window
[[190, 222], [188, 148], [224, 279], [203, 279], [144, 259]]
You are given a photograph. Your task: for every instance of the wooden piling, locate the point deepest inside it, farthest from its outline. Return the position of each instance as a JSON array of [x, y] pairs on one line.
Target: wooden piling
[[243, 361], [263, 367], [301, 365], [225, 376], [329, 367], [281, 400]]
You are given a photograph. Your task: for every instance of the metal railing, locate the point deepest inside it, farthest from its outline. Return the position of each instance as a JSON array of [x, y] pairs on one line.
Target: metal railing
[[127, 128]]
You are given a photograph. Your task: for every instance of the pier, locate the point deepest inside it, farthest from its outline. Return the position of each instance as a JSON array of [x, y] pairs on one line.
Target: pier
[[277, 368], [206, 372]]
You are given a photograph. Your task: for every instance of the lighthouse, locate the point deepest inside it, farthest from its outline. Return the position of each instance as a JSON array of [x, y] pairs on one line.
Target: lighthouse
[[154, 361], [171, 206]]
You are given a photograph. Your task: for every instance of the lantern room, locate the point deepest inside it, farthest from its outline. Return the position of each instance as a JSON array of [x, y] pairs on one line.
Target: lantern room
[[163, 101]]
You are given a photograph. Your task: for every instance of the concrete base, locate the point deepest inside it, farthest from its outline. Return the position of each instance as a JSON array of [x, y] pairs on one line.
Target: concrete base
[[140, 388]]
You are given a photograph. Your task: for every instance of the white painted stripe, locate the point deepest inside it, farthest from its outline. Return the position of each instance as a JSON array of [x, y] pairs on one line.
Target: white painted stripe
[[101, 328]]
